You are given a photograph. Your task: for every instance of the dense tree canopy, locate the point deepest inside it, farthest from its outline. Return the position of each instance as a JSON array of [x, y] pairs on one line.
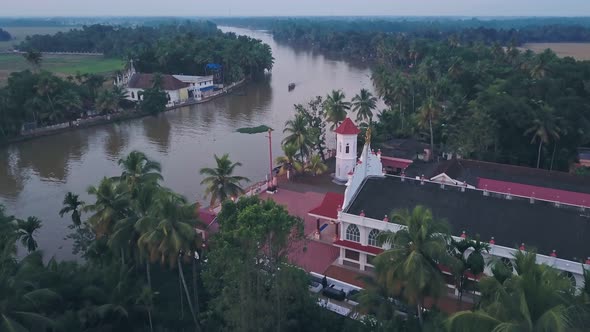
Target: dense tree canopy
[[5, 35], [184, 48]]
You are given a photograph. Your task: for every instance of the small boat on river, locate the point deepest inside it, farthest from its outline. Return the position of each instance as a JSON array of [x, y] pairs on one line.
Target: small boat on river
[[291, 86]]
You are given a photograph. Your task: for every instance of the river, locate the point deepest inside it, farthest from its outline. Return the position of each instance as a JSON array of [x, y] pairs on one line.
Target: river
[[35, 175]]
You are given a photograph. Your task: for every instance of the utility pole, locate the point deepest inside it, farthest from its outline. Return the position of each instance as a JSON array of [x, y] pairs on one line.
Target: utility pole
[[270, 151]]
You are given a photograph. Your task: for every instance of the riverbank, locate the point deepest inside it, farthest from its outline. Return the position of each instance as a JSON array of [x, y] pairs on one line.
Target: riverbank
[[111, 118]]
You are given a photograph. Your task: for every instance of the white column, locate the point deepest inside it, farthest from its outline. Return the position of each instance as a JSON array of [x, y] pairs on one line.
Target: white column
[[341, 257], [364, 235], [363, 261]]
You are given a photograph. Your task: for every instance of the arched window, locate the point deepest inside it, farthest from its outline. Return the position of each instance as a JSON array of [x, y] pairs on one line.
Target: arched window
[[339, 147], [571, 278], [168, 96], [132, 95], [353, 233], [347, 148], [373, 238]]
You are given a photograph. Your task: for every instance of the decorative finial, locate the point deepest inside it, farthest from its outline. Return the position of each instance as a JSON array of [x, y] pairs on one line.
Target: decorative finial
[[368, 136]]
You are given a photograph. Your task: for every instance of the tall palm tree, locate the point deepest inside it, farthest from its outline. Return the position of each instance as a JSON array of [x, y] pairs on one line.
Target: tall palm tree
[[398, 92], [336, 107], [472, 262], [410, 266], [544, 129], [288, 162], [316, 166], [221, 184], [139, 171], [46, 86], [26, 232], [363, 104], [535, 298], [298, 135], [72, 204], [111, 205], [428, 114], [172, 236]]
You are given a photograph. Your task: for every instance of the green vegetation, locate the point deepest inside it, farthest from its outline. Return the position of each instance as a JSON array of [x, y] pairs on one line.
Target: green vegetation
[[20, 33], [40, 99], [63, 64], [254, 130], [180, 48], [220, 181], [146, 269], [463, 89]]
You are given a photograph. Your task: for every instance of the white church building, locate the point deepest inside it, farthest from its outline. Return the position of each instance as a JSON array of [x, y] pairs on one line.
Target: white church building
[[508, 222]]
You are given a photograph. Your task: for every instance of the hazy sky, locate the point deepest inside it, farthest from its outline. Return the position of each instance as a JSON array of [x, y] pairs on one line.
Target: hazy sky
[[295, 7]]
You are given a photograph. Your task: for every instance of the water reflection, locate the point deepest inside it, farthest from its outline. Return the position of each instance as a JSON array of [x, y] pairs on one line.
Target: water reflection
[[158, 131], [52, 158], [11, 177], [116, 141]]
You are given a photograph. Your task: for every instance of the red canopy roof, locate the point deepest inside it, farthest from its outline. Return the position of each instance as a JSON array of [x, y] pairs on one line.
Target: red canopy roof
[[549, 194], [347, 127], [358, 247], [395, 162], [329, 207]]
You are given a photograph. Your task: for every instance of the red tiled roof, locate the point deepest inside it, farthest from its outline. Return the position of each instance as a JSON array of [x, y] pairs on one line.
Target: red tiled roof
[[357, 246], [329, 206], [347, 127], [146, 81], [395, 162], [550, 194]]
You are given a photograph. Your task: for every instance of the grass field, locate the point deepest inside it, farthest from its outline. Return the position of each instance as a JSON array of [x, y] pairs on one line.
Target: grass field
[[63, 65], [20, 33], [60, 64], [579, 51]]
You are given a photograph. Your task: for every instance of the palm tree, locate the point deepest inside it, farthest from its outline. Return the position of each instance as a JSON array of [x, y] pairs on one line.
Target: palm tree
[[26, 232], [288, 162], [410, 266], [107, 102], [221, 184], [536, 298], [316, 165], [544, 129], [139, 171], [46, 86], [172, 236], [336, 107], [428, 113], [363, 104], [298, 135], [70, 102], [111, 205], [72, 204], [399, 91], [473, 262]]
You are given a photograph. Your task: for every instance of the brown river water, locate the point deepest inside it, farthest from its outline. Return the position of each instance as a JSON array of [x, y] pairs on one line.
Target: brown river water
[[35, 175]]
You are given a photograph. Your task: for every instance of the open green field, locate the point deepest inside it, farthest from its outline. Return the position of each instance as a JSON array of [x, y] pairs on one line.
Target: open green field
[[20, 33], [578, 51], [61, 64]]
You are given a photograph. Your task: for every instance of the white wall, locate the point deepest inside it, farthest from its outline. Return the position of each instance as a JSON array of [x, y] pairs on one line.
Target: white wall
[[345, 162]]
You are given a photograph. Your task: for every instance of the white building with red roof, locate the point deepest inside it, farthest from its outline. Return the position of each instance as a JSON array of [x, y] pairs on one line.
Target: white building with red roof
[[346, 138]]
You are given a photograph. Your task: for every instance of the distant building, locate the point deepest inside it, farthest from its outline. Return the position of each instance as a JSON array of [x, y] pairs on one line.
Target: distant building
[[513, 208], [178, 88]]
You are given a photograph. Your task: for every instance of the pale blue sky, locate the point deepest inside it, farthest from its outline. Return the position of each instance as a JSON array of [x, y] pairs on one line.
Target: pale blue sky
[[294, 7]]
